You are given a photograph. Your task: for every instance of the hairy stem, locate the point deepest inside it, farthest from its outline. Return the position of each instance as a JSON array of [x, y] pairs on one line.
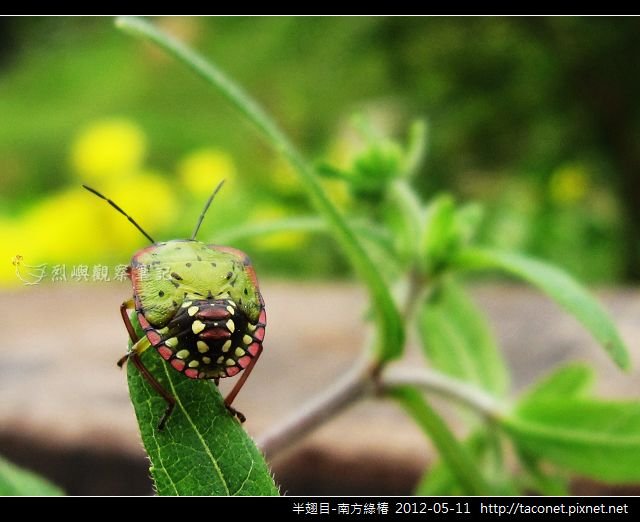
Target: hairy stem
[[352, 387], [364, 381], [432, 381]]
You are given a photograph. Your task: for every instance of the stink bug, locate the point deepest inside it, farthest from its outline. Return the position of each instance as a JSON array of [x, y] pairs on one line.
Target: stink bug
[[199, 306]]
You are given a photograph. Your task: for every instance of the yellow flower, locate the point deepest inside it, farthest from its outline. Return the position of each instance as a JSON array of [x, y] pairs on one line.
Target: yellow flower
[[148, 198], [63, 227], [107, 149], [569, 184], [74, 226], [202, 169]]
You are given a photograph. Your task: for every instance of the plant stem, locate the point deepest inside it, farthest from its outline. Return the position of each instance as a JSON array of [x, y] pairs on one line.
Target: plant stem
[[416, 148], [388, 320], [460, 462], [363, 381], [353, 386], [435, 382], [417, 291], [312, 224]]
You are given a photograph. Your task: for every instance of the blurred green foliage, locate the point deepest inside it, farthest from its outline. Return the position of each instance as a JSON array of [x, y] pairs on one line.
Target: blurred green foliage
[[531, 116]]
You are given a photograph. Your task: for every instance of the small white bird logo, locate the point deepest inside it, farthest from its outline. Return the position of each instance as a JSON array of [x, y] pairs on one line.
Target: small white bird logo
[[29, 274]]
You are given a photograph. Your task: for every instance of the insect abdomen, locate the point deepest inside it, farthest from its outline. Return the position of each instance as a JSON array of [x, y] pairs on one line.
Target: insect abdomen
[[208, 338]]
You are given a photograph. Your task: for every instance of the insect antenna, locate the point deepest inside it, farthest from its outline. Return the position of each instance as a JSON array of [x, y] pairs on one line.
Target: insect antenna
[[93, 191], [206, 207]]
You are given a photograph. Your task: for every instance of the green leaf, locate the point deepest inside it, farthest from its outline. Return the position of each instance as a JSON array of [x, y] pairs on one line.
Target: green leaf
[[403, 215], [202, 450], [569, 383], [468, 219], [439, 233], [15, 481], [459, 461], [556, 284], [483, 445], [438, 479], [457, 340], [416, 150], [571, 380], [541, 480], [375, 167], [599, 439]]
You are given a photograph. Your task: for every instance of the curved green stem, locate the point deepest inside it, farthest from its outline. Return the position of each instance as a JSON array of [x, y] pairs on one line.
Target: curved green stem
[[435, 382], [460, 462], [391, 339], [312, 224]]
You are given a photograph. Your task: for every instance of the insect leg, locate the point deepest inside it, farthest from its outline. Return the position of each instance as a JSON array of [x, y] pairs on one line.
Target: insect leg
[[238, 386], [169, 399], [139, 346], [127, 305]]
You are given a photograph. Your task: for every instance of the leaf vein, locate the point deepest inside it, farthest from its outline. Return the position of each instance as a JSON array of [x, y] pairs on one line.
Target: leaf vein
[[196, 431]]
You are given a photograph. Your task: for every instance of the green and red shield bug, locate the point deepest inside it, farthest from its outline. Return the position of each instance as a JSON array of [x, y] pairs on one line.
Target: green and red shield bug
[[199, 306]]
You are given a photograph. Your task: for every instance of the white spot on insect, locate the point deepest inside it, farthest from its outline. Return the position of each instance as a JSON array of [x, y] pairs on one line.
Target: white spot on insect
[[231, 309], [187, 304], [231, 326], [206, 360], [193, 310], [202, 346], [197, 326], [194, 364], [220, 359], [251, 327], [230, 362], [182, 354], [239, 352], [247, 339], [164, 330], [226, 345], [172, 342]]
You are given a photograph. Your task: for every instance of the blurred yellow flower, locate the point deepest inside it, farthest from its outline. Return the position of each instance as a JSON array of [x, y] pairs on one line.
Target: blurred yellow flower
[[72, 226], [569, 184], [61, 228], [148, 198], [202, 169], [108, 148]]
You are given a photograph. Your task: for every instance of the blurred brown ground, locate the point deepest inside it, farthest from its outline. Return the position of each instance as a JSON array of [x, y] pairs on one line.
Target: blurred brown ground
[[65, 411]]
